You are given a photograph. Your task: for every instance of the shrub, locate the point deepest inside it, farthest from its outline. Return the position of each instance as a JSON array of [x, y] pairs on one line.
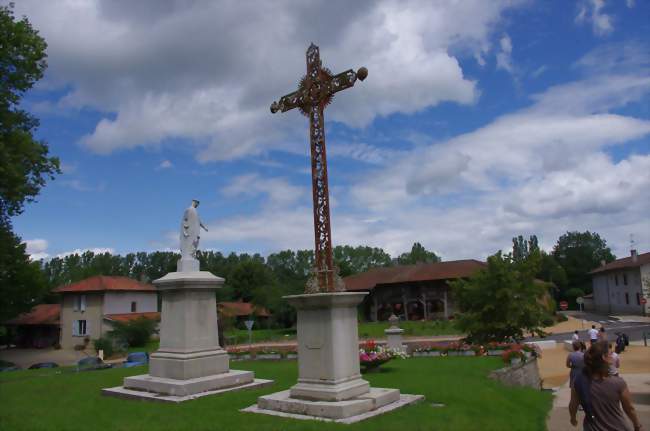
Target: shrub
[[134, 333], [105, 344]]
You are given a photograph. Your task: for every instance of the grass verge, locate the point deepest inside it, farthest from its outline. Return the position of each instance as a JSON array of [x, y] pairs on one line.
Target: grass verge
[[51, 400]]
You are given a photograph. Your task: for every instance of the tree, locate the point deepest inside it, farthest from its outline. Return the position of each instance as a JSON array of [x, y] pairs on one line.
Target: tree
[[579, 253], [24, 161], [418, 254], [22, 284], [502, 301], [353, 260], [521, 248]]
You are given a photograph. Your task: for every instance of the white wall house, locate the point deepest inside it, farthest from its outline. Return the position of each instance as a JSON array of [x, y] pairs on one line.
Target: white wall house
[[89, 307], [621, 286]]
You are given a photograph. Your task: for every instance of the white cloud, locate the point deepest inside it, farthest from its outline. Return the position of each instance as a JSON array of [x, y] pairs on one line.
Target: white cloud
[[165, 164], [80, 251], [128, 60], [36, 248], [504, 55], [590, 11], [630, 3], [278, 191]]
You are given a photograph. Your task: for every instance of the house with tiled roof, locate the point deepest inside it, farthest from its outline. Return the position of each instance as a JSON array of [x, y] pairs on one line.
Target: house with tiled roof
[[89, 307], [413, 292], [38, 327], [623, 286]]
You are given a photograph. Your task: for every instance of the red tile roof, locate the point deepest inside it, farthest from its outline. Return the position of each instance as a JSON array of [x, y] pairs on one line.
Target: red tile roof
[[236, 309], [42, 314], [412, 273], [626, 262], [101, 283], [126, 317]]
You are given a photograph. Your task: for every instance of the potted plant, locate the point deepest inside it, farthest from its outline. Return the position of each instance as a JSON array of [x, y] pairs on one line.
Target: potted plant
[[513, 356], [372, 356]]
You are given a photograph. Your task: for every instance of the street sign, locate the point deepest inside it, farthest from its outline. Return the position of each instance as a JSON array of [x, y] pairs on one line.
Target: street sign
[[580, 300], [644, 301], [564, 305], [249, 324]]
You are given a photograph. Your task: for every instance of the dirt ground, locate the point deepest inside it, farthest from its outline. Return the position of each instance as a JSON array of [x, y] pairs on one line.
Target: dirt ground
[[571, 325], [554, 373]]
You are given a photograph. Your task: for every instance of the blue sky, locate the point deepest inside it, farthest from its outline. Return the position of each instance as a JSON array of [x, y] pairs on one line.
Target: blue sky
[[479, 121]]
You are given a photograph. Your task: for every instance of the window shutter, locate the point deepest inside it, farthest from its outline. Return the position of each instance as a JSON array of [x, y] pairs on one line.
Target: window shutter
[[75, 327], [75, 303], [83, 303], [87, 327]]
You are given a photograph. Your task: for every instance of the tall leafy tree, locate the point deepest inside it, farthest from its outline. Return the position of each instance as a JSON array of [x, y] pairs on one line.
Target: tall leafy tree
[[24, 161], [503, 301], [579, 253], [522, 248], [418, 254], [353, 260]]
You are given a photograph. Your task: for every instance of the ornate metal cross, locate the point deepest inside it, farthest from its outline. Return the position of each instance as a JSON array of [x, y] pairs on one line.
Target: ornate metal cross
[[315, 92]]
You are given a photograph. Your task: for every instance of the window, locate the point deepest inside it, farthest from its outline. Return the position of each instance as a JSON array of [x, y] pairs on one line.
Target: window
[[134, 307], [616, 279], [79, 328], [625, 279], [79, 303], [627, 298]]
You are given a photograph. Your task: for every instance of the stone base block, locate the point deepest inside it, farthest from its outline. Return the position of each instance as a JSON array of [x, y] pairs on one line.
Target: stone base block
[[188, 365], [122, 392], [284, 402], [181, 388], [330, 392], [376, 402]]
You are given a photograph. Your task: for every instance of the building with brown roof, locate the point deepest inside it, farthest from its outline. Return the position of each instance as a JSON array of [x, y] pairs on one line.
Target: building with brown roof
[[622, 286], [38, 328], [88, 307], [413, 292]]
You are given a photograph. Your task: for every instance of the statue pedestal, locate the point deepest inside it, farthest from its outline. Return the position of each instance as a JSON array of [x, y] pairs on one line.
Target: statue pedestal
[[190, 360], [329, 379]]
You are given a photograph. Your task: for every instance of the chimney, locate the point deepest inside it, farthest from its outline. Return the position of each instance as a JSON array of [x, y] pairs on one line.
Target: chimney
[[634, 254], [602, 262]]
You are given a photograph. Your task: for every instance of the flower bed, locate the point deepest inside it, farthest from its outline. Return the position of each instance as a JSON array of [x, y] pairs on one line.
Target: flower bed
[[372, 355]]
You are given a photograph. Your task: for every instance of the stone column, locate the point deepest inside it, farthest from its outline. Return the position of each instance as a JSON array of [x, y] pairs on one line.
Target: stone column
[[190, 360], [189, 339], [394, 335], [328, 347]]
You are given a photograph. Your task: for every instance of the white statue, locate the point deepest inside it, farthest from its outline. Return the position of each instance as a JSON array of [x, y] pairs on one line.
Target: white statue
[[190, 230]]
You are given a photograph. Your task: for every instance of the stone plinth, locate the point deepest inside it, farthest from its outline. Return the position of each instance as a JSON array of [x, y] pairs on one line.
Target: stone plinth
[[328, 347], [394, 335], [190, 360], [329, 379]]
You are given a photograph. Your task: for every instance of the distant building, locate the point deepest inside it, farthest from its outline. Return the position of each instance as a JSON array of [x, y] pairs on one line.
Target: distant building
[[89, 306], [37, 328], [620, 286], [240, 310], [413, 292]]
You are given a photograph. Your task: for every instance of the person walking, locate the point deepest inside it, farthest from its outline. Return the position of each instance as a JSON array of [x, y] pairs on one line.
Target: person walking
[[602, 335], [576, 336], [575, 361], [593, 334], [601, 395], [614, 361]]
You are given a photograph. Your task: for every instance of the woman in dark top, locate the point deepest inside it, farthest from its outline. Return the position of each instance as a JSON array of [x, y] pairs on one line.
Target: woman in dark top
[[601, 395]]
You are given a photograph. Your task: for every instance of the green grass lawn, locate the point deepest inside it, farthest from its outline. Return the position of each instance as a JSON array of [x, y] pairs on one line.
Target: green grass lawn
[[45, 400]]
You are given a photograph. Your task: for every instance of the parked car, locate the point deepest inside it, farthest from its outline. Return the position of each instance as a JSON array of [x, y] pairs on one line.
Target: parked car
[[8, 366], [92, 363], [136, 359], [44, 365]]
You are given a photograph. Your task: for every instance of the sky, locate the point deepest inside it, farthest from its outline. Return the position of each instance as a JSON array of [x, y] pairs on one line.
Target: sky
[[479, 121]]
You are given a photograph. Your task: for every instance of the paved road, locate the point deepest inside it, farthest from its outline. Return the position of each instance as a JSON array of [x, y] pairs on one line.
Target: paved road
[[634, 330]]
